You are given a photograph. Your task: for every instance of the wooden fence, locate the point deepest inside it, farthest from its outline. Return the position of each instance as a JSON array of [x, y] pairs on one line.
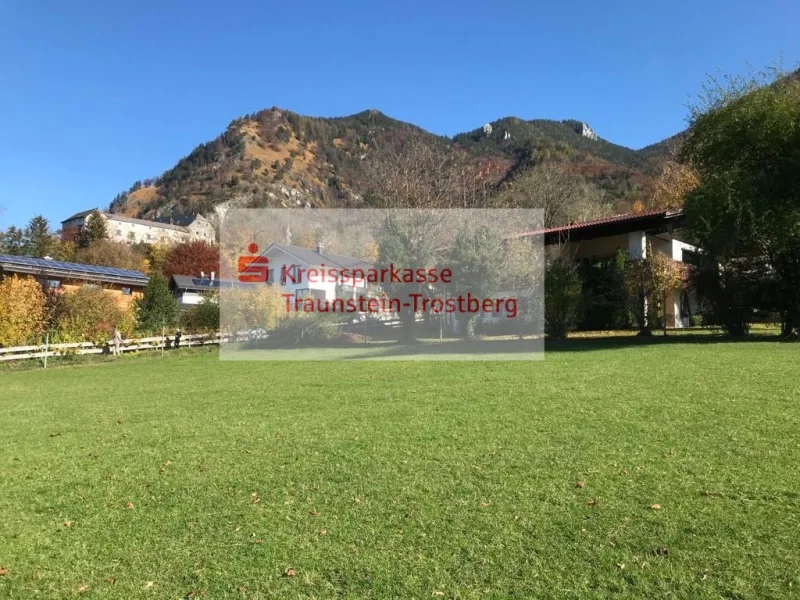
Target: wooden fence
[[45, 351]]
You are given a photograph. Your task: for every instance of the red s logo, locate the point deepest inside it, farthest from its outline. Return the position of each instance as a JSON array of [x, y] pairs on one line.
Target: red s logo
[[253, 269]]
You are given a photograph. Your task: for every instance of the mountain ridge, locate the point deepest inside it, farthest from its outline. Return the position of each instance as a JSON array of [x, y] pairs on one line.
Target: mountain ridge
[[277, 158]]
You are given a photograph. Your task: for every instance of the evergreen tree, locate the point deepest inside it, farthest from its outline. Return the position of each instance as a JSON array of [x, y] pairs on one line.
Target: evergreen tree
[[39, 242], [14, 241], [93, 229], [157, 307]]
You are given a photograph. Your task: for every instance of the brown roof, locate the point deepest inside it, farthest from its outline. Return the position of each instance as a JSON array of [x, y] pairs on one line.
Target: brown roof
[[608, 226]]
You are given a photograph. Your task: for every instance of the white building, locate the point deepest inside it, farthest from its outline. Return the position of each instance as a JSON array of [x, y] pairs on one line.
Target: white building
[[297, 270], [130, 230]]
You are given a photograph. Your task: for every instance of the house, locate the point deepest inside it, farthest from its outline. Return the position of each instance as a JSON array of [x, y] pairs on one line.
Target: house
[[123, 284], [191, 290], [658, 230], [126, 229], [316, 273]]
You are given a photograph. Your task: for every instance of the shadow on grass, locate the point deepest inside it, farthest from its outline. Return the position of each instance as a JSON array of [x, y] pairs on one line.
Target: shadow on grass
[[500, 349], [611, 342]]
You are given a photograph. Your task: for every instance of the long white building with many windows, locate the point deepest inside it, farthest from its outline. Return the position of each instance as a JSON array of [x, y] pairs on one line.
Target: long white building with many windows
[[132, 231]]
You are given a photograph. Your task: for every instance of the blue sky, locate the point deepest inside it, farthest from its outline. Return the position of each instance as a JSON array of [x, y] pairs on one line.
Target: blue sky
[[95, 95]]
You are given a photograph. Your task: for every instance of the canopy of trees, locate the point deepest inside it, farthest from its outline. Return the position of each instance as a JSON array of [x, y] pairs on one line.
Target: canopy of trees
[[745, 212]]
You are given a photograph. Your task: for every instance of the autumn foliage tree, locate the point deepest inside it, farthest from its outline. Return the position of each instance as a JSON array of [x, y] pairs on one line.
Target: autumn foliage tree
[[648, 280], [106, 253], [190, 258], [22, 310], [672, 186]]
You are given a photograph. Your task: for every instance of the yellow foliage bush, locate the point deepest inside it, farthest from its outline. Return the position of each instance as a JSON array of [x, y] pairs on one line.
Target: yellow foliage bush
[[22, 311], [257, 307], [89, 314]]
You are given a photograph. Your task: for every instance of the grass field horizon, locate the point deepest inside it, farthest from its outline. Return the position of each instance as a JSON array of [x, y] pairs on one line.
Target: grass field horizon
[[634, 469]]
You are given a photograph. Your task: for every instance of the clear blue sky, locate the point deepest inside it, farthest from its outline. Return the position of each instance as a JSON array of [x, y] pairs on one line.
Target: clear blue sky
[[95, 95]]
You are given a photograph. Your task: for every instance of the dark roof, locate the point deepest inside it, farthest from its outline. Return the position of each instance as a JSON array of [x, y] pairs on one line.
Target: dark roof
[[182, 220], [200, 284], [83, 213], [312, 257], [654, 220], [178, 224], [58, 269]]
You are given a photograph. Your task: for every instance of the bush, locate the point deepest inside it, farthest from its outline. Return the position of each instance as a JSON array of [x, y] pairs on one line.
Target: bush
[[22, 310], [562, 297], [252, 308], [730, 291], [203, 317], [604, 304], [89, 314], [298, 328]]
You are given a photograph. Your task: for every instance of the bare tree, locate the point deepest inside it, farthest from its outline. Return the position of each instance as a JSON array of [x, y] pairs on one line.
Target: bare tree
[[564, 197], [415, 173]]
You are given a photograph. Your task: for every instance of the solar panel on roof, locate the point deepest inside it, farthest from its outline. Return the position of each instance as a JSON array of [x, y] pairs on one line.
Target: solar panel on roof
[[57, 265]]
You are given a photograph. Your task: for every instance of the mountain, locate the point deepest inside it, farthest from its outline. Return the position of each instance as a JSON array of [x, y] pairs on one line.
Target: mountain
[[278, 158]]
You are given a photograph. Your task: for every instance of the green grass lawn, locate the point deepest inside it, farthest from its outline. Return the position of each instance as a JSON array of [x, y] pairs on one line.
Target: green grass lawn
[[159, 478]]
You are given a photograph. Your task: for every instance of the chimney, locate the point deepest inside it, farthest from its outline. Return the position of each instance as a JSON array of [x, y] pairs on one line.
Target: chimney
[[320, 247], [212, 275], [202, 274]]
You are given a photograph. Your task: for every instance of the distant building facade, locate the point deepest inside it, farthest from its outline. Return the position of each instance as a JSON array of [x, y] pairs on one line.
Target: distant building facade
[[132, 231]]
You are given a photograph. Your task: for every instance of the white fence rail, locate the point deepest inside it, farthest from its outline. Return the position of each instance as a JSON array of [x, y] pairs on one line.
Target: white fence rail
[[45, 351]]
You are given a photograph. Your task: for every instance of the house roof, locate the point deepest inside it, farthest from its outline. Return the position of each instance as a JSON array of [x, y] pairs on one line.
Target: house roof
[[201, 284], [78, 215], [179, 225], [185, 220], [608, 226], [28, 265], [159, 224], [311, 257]]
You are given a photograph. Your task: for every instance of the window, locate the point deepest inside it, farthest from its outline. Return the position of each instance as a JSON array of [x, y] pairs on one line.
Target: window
[[53, 284], [301, 293], [126, 291]]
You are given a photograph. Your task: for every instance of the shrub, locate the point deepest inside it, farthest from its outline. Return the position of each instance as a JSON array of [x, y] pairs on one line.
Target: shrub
[[604, 304], [203, 317], [298, 328], [22, 310], [252, 308], [562, 292], [730, 291], [89, 314]]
